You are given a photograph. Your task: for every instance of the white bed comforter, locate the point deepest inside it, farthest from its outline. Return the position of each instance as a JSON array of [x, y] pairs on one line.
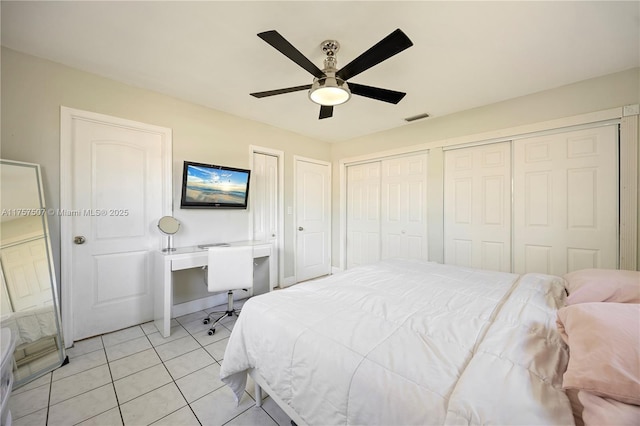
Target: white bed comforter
[[408, 342], [30, 325]]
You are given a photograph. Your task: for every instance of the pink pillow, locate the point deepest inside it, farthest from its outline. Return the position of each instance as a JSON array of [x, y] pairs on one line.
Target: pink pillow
[[603, 285], [604, 411], [604, 349]]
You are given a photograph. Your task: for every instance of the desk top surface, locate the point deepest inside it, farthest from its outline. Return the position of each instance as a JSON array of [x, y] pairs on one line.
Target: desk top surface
[[203, 250]]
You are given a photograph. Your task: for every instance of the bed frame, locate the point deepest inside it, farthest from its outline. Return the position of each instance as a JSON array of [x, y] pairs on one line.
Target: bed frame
[[261, 385]]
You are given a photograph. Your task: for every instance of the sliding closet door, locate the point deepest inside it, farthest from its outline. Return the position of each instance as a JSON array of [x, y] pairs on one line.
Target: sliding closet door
[[363, 214], [404, 207], [477, 207], [566, 201]]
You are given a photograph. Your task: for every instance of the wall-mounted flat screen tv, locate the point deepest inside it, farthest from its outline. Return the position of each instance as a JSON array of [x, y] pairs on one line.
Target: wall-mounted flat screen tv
[[208, 186]]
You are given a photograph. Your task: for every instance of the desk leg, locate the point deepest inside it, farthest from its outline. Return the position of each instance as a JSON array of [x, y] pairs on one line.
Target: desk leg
[[258, 394], [163, 294], [261, 276]]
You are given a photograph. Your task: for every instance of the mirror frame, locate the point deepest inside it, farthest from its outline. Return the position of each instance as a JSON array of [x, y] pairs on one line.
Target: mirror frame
[[162, 221], [43, 213], [169, 235]]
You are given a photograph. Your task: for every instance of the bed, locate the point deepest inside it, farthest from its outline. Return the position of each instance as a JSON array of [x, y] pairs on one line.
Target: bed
[[35, 333], [407, 342]]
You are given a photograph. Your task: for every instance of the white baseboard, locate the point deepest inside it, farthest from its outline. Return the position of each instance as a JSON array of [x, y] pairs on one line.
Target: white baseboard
[[289, 281]]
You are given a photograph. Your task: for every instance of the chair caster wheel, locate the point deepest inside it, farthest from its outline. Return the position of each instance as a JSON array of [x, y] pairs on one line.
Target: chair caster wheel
[[205, 321], [211, 331]]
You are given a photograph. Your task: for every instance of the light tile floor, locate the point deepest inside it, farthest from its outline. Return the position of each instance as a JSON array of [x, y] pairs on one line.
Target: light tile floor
[[136, 377]]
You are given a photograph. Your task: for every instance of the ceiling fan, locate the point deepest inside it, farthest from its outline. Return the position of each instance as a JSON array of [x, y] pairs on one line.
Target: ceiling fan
[[330, 86]]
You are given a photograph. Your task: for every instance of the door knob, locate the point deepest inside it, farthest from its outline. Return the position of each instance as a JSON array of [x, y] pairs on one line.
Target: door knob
[[300, 228], [79, 239]]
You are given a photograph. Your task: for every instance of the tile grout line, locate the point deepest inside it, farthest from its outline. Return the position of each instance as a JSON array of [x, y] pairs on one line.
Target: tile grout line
[[174, 382], [145, 393], [113, 382], [163, 362], [107, 363], [218, 362], [212, 357], [46, 418], [215, 361]]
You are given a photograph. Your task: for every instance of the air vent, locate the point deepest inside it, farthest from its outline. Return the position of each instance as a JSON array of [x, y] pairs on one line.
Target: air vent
[[416, 117]]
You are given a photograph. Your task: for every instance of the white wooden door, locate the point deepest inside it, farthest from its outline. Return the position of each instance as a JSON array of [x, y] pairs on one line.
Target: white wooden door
[[119, 186], [264, 204], [404, 207], [313, 218], [477, 207], [5, 304], [26, 271], [566, 201], [363, 214]]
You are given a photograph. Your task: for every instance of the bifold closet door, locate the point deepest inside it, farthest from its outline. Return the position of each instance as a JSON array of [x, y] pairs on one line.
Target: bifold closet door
[[363, 214], [403, 224], [477, 207], [566, 201]]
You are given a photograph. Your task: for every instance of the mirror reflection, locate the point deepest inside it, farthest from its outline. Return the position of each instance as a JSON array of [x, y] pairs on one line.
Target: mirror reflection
[[29, 305]]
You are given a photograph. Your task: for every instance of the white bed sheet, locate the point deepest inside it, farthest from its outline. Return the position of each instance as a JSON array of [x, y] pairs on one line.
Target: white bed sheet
[[394, 343]]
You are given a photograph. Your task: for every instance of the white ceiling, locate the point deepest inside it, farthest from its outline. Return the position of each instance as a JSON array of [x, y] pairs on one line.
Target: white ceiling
[[465, 54]]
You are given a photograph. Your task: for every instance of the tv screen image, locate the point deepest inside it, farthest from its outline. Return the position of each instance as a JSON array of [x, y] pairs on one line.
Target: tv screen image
[[212, 186]]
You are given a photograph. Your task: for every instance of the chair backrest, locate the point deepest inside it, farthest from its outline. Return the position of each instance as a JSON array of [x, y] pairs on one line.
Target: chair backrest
[[230, 268]]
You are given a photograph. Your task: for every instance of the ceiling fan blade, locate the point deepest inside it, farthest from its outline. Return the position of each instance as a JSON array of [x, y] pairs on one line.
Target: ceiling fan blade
[[325, 112], [377, 93], [391, 45], [283, 46], [280, 91]]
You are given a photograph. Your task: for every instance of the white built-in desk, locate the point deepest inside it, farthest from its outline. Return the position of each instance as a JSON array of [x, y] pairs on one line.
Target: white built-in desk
[[194, 257]]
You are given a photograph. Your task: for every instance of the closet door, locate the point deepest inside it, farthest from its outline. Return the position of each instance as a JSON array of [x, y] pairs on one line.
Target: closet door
[[477, 207], [566, 201], [404, 207], [363, 214]]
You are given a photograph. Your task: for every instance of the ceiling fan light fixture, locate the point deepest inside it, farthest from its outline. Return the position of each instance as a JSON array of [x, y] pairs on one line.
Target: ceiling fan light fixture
[[329, 91], [329, 87]]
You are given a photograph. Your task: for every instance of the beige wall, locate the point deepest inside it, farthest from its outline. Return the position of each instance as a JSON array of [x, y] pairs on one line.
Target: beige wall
[[16, 230], [33, 90], [611, 91], [597, 94]]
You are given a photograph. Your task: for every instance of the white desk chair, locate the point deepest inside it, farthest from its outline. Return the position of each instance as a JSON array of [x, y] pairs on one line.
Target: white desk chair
[[229, 268]]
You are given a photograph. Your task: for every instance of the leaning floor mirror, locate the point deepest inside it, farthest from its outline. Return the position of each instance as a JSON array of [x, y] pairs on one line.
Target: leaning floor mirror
[[29, 303]]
